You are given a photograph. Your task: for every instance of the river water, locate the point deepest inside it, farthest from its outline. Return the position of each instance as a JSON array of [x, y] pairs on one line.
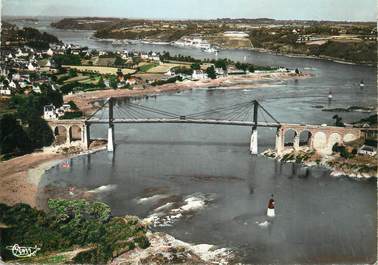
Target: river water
[[222, 190]]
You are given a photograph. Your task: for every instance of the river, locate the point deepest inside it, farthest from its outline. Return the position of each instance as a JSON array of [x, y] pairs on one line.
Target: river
[[320, 219]]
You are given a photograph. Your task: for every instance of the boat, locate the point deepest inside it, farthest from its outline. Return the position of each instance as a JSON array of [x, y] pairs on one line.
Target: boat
[[210, 50]]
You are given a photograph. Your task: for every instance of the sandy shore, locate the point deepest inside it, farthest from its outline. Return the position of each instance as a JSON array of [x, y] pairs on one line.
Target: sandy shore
[[20, 176], [84, 100], [15, 186]]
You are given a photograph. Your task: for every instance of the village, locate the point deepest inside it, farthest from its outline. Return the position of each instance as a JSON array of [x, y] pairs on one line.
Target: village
[[70, 69]]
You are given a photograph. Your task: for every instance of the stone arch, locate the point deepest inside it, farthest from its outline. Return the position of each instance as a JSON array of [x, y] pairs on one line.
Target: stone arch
[[75, 133], [320, 140], [333, 139], [60, 133], [289, 137], [349, 137], [305, 138]]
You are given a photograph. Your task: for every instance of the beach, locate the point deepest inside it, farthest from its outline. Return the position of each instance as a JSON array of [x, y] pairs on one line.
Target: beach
[[20, 176]]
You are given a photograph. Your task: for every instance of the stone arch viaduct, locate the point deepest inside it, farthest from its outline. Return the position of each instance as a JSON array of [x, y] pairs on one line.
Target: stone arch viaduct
[[315, 137]]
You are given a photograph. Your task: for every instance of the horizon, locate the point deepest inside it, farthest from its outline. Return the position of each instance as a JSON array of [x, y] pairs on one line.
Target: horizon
[[188, 19], [284, 10]]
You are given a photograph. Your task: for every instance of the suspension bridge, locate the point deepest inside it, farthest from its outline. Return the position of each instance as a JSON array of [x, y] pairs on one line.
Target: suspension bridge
[[250, 114]]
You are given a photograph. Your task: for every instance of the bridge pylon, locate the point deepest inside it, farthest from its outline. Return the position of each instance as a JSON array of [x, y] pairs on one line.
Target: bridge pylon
[[110, 145], [254, 140]]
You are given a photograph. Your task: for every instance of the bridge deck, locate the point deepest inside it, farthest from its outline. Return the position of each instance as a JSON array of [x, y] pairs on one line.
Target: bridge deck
[[187, 121]]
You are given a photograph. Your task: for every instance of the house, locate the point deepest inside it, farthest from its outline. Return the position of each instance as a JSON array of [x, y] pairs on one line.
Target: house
[[12, 85], [49, 112], [220, 71], [32, 67], [144, 56], [66, 107], [50, 52], [21, 54], [36, 89], [5, 90], [131, 81], [169, 73], [16, 77], [198, 74]]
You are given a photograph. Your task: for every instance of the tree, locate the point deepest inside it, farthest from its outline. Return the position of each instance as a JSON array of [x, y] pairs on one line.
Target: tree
[[119, 61], [211, 72], [221, 63], [73, 105], [113, 82], [338, 121], [196, 66], [72, 73], [39, 133], [13, 139], [101, 83]]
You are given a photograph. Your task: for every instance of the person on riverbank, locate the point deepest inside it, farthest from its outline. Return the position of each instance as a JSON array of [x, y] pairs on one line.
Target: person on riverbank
[[271, 211]]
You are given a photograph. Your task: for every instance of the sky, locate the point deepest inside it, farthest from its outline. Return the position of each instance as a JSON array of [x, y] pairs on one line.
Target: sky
[[344, 10]]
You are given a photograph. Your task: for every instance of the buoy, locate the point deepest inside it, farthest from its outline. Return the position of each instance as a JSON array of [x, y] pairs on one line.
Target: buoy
[[362, 84], [330, 96], [271, 212]]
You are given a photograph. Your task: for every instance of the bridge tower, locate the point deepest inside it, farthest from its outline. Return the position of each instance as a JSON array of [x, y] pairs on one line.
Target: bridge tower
[[254, 143], [111, 126]]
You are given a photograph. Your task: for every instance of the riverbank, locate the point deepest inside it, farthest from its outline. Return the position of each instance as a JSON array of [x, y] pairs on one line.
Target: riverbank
[[360, 167], [85, 100], [305, 56], [20, 176]]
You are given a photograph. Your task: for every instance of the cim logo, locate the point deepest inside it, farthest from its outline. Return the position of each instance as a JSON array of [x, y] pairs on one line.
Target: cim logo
[[23, 252]]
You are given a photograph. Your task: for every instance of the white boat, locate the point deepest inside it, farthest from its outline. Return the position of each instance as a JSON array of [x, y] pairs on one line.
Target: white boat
[[210, 50]]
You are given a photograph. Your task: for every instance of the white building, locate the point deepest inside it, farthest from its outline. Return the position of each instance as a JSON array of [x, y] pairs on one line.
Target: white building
[[131, 81], [198, 74], [16, 77], [144, 56], [49, 112], [220, 71], [31, 67], [21, 54], [5, 90], [235, 34], [36, 89], [12, 84]]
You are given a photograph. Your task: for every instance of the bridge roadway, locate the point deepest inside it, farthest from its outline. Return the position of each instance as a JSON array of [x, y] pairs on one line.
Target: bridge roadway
[[187, 121]]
